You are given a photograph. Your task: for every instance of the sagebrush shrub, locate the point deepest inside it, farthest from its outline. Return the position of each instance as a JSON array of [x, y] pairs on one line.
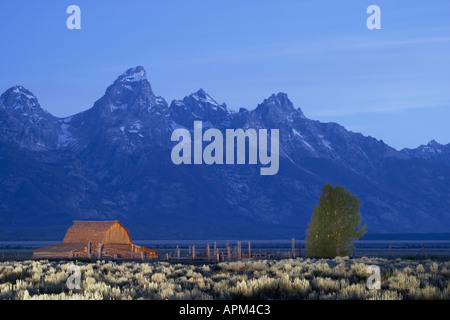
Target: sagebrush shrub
[[340, 278]]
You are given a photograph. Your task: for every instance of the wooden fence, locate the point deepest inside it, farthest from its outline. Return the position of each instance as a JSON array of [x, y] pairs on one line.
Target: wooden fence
[[244, 250], [241, 251]]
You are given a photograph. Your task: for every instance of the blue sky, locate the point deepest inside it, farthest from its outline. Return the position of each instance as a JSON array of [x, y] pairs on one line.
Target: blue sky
[[392, 84]]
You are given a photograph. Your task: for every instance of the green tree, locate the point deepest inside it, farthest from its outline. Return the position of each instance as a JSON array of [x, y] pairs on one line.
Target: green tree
[[334, 224]]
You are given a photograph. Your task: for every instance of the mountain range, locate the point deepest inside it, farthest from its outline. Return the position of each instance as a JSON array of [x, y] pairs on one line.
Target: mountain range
[[112, 162]]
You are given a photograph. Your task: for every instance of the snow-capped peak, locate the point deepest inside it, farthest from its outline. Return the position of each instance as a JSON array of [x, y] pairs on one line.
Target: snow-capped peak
[[279, 101], [21, 91], [19, 98], [434, 143], [135, 74], [202, 96], [432, 147]]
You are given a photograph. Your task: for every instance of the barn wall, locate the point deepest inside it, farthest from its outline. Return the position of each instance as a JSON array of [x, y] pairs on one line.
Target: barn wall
[[52, 255], [117, 234], [120, 251]]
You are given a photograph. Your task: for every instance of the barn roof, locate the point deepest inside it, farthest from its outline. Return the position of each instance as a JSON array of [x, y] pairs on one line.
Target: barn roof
[[93, 225], [62, 247], [90, 231]]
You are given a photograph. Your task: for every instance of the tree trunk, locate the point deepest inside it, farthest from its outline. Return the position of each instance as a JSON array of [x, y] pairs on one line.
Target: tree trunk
[[338, 246]]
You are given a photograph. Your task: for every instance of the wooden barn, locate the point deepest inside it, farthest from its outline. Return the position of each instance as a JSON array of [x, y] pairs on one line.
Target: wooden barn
[[96, 240]]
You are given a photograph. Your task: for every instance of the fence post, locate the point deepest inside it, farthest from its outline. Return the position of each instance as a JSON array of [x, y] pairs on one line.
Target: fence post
[[390, 251], [207, 250], [300, 248], [89, 249], [178, 251], [239, 250], [193, 252], [100, 251], [293, 247], [249, 251]]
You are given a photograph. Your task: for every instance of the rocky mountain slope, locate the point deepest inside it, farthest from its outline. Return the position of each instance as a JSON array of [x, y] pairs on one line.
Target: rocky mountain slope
[[113, 161]]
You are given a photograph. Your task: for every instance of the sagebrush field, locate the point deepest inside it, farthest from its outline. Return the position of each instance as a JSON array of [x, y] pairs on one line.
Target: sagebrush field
[[340, 278]]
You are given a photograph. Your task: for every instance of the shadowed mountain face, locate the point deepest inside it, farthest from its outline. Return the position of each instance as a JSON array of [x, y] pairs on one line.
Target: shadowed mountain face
[[113, 162]]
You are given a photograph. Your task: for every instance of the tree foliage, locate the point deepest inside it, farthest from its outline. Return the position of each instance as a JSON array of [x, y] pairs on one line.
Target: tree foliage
[[335, 224]]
